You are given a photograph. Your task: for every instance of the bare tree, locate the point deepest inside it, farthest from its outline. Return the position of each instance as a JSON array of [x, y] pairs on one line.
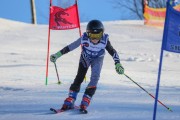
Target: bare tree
[[135, 6], [157, 3]]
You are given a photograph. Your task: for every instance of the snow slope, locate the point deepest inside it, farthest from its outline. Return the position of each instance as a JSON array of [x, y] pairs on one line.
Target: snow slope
[[24, 96]]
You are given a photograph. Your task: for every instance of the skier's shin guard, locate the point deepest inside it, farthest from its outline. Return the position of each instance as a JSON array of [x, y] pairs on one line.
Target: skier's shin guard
[[69, 101], [73, 94], [89, 92]]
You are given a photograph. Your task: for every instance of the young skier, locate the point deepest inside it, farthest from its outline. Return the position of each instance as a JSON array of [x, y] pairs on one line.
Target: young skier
[[94, 42]]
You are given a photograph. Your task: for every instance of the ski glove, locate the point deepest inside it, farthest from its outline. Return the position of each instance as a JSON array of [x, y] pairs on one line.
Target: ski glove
[[119, 68], [55, 56]]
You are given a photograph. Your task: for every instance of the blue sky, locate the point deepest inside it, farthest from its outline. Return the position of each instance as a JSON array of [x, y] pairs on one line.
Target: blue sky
[[19, 10]]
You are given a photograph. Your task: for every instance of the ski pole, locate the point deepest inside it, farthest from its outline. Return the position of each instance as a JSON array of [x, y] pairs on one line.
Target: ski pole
[[148, 93], [59, 82]]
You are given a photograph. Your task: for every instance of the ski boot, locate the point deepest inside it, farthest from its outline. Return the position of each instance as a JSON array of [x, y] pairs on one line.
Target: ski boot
[[85, 103], [69, 102]]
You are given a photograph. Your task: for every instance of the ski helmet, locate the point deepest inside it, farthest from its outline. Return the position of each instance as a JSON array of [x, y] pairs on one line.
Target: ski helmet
[[95, 26], [95, 29]]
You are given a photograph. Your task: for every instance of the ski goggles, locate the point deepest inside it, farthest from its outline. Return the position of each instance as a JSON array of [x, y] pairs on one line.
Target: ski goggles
[[93, 36]]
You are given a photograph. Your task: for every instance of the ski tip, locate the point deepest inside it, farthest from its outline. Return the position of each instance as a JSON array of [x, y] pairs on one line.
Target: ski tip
[[53, 110]]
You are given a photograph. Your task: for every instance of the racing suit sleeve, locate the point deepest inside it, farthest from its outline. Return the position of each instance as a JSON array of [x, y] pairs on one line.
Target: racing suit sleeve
[[112, 52], [71, 46]]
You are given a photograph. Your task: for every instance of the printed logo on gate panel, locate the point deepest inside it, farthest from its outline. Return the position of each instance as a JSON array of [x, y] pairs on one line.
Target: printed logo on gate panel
[[59, 17]]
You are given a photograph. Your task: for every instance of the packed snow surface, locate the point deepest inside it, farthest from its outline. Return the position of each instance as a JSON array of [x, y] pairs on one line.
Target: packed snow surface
[[24, 95]]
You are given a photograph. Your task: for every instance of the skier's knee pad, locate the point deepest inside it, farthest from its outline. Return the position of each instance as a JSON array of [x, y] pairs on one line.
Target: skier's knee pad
[[90, 90]]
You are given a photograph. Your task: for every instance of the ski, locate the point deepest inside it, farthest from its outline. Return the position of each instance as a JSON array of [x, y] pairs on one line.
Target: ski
[[56, 110], [81, 111], [60, 110]]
